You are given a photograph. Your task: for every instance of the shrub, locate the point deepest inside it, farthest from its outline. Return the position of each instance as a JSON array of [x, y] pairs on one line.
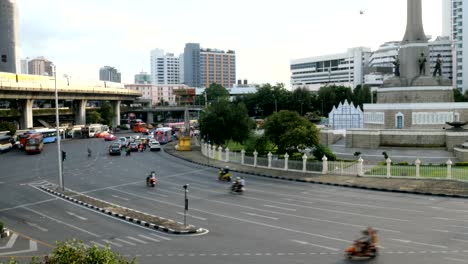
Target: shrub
[[1, 227], [461, 164], [7, 126], [403, 163], [258, 143], [322, 150]]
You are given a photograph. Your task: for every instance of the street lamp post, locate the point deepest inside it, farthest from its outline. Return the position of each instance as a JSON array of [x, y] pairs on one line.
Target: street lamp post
[[59, 152], [186, 204]]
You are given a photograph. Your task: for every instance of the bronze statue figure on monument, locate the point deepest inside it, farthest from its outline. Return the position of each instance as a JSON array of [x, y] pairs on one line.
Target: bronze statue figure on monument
[[396, 63], [438, 66], [422, 64]]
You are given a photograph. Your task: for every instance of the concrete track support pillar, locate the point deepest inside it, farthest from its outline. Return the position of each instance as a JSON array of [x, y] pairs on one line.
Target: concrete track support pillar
[[150, 118], [80, 112], [26, 120], [116, 108]]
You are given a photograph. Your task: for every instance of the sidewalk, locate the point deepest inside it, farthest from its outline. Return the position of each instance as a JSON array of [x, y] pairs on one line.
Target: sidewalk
[[415, 186]]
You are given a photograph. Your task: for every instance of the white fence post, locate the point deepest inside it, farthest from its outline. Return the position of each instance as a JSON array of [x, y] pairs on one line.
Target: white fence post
[[269, 159], [208, 152], [389, 164], [255, 158], [227, 154], [417, 163], [304, 163], [360, 171], [286, 158], [242, 156], [449, 169], [324, 165], [220, 153], [213, 152]]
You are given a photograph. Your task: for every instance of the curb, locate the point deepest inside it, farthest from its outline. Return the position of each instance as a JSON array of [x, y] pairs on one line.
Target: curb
[[354, 186], [124, 217]]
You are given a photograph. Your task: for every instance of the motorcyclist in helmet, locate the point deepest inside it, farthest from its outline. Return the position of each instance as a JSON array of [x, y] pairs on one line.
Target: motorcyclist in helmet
[[152, 175], [225, 170], [236, 185]]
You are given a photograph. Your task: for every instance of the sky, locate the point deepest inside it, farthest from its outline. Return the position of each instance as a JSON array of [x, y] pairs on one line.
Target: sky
[[80, 36]]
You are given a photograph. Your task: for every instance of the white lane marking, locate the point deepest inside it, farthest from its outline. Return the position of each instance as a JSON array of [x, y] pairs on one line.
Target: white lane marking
[[447, 231], [315, 245], [38, 227], [286, 214], [121, 198], [459, 240], [454, 259], [277, 207], [196, 217], [125, 242], [32, 248], [112, 243], [158, 194], [355, 204], [201, 185], [149, 238], [418, 243], [449, 219], [28, 204], [61, 222], [458, 226], [77, 216], [161, 237], [242, 220], [314, 208], [450, 210], [137, 240], [97, 244], [268, 217], [11, 241]]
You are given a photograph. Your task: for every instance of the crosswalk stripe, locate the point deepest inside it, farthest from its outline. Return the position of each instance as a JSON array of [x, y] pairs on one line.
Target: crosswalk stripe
[[150, 238], [97, 244], [161, 237], [137, 240], [11, 241], [126, 242], [112, 243]]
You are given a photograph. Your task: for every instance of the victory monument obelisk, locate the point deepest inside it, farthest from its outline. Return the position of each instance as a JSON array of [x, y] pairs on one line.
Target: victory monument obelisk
[[414, 106]]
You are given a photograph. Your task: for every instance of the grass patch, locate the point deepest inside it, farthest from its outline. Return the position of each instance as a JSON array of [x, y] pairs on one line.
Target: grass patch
[[460, 173]]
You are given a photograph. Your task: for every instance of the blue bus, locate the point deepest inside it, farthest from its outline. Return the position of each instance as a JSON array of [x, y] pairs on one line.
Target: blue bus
[[49, 134]]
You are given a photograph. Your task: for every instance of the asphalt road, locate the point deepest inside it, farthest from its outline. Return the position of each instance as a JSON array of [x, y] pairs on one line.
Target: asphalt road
[[273, 222]]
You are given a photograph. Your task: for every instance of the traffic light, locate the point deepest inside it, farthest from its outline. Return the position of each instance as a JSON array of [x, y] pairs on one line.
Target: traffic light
[[4, 58], [186, 186]]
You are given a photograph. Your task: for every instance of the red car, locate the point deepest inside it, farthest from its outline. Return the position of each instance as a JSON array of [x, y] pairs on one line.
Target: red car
[[110, 137], [102, 134]]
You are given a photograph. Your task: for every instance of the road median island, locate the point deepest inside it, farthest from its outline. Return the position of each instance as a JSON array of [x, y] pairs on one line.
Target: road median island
[[124, 213], [449, 188]]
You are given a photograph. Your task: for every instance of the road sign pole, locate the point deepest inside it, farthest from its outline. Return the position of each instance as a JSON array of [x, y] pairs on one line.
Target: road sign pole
[[186, 204]]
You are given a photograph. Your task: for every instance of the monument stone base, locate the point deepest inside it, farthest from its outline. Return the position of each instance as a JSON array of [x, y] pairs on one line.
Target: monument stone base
[[415, 94]]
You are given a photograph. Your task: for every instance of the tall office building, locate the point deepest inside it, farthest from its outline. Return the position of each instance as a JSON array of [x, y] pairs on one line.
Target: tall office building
[[24, 66], [340, 69], [9, 37], [460, 41], [165, 68], [192, 64], [203, 67], [40, 66], [217, 66], [111, 74], [142, 78], [446, 18], [181, 68]]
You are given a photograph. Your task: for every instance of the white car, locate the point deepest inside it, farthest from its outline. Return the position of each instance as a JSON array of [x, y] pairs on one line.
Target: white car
[[154, 145]]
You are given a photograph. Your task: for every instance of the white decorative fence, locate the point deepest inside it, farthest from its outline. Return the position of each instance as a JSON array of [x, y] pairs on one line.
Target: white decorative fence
[[341, 168]]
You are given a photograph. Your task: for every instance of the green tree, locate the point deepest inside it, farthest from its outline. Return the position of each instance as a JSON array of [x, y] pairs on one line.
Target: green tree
[[222, 121], [458, 96], [322, 150], [289, 131], [94, 117], [107, 113], [332, 95], [362, 95], [216, 92], [7, 126]]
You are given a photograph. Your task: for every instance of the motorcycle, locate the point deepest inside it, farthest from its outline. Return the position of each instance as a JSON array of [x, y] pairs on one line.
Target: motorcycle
[[150, 181], [237, 188], [356, 251], [224, 176]]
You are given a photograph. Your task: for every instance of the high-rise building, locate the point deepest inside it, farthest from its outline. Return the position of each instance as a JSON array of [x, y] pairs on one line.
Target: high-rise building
[[143, 78], [110, 74], [340, 69], [217, 66], [40, 66], [203, 67], [442, 46], [446, 18], [9, 37], [181, 68], [24, 66], [192, 64], [164, 68], [460, 41]]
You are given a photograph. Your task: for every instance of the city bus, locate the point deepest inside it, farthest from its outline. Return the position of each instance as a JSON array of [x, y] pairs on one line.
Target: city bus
[[49, 134], [34, 143], [163, 135], [140, 128]]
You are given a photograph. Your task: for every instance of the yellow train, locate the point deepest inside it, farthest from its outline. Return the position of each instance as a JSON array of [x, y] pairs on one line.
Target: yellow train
[[11, 77]]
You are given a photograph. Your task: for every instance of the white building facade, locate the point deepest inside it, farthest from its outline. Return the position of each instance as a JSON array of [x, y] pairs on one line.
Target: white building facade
[[460, 38], [158, 94], [165, 68], [345, 69]]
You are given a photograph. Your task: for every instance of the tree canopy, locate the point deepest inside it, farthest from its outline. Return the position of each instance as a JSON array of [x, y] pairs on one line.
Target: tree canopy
[[222, 121], [290, 132]]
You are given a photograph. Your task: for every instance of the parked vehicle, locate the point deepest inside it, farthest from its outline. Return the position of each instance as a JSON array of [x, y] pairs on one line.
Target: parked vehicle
[[5, 143]]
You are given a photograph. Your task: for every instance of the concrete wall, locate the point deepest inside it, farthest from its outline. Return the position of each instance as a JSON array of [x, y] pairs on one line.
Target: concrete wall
[[461, 153], [362, 138], [329, 137], [454, 139]]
